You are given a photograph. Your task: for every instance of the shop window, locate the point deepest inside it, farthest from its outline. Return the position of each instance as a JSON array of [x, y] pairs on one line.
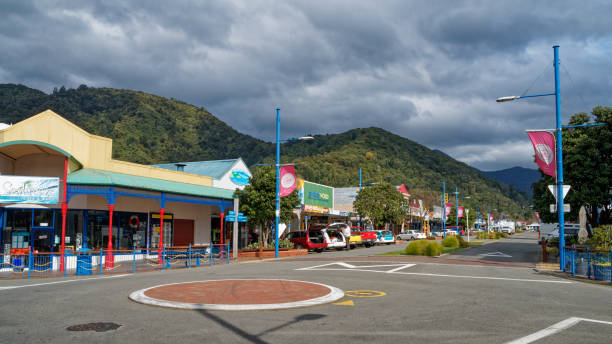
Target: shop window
[[154, 235], [132, 230]]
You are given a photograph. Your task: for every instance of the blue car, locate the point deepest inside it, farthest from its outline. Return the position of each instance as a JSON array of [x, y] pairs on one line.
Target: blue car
[[384, 237]]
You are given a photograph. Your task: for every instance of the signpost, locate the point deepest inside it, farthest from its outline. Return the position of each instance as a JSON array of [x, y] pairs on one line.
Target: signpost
[[553, 190]]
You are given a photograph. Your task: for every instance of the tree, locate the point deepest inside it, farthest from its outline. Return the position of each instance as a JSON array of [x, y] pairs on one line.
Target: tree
[[258, 201], [587, 167], [381, 203]]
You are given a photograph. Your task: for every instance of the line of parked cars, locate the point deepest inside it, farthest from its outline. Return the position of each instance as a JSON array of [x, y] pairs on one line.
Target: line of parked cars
[[338, 236]]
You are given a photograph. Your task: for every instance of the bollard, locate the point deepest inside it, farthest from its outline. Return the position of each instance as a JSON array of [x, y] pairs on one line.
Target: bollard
[[100, 262], [65, 263], [228, 255], [573, 259], [134, 259], [163, 257], [211, 253], [189, 255]]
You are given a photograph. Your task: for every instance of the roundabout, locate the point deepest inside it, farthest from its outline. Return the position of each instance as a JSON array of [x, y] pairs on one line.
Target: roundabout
[[238, 294]]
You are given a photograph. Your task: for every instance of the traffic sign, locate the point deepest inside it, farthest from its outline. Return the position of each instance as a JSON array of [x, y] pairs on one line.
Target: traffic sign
[[242, 218], [566, 208], [553, 190], [230, 218]]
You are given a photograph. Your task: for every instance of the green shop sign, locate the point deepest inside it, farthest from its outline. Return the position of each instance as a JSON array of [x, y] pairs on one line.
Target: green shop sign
[[319, 195]]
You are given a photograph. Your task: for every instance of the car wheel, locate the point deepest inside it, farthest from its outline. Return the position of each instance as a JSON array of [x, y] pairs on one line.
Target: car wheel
[[339, 248], [300, 247], [319, 250], [412, 238]]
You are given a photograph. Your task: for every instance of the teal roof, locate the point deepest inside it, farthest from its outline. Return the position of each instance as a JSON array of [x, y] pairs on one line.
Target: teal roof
[[88, 176], [213, 168]]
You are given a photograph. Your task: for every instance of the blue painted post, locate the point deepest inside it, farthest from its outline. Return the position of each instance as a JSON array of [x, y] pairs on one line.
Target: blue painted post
[[360, 223], [573, 259], [610, 260], [65, 263], [189, 253], [29, 263], [588, 263], [559, 158], [277, 211], [457, 206], [488, 217], [228, 255], [134, 259], [198, 259], [211, 253], [100, 262]]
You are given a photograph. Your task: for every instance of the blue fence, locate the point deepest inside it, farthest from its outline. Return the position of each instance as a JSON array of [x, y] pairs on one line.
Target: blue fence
[[37, 265], [590, 264]]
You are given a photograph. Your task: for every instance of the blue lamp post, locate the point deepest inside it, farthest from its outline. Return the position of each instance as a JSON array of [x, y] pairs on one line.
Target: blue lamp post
[[277, 210], [559, 148]]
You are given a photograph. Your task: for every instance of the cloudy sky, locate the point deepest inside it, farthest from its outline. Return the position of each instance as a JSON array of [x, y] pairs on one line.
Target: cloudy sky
[[429, 71]]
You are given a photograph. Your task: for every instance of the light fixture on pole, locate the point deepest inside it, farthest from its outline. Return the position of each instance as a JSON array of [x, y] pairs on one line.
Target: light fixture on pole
[[559, 149], [277, 209]]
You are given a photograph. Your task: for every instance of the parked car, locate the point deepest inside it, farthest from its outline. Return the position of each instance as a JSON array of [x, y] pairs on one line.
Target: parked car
[[333, 237], [385, 237], [411, 235], [310, 240], [353, 240], [570, 229], [368, 238]]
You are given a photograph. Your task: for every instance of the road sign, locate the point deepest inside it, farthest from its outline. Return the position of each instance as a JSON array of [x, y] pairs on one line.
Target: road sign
[[566, 208], [242, 218], [553, 190], [230, 218]]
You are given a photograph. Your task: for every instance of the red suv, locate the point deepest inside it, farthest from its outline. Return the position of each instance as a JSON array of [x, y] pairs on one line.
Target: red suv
[[311, 240]]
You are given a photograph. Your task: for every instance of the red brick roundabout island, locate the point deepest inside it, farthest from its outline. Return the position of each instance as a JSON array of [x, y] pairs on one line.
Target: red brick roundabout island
[[238, 294]]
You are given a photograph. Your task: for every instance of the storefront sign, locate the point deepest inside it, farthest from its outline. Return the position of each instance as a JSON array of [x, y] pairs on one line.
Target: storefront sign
[[315, 209], [17, 189], [318, 195], [240, 178]]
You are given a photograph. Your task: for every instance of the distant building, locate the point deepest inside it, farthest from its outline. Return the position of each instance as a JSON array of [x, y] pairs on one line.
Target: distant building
[[227, 174]]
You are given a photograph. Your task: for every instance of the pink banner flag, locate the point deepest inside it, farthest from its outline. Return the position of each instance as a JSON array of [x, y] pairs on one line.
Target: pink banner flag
[[287, 180], [448, 208], [460, 211], [544, 147], [537, 214]]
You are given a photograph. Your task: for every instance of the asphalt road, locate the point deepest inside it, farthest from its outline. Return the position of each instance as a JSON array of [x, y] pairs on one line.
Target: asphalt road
[[428, 302], [518, 248]]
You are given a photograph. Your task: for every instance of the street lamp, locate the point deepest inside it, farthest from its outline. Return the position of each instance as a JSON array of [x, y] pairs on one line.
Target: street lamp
[[277, 211], [559, 148]]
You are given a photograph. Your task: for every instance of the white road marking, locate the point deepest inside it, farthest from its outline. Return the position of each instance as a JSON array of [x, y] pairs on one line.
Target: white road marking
[[495, 254], [558, 327], [58, 282], [350, 267]]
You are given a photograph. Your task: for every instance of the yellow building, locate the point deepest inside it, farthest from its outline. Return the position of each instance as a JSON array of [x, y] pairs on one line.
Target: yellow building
[[39, 153]]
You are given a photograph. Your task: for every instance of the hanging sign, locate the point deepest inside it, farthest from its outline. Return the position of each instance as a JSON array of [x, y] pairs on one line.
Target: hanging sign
[[448, 207], [544, 147], [18, 189], [288, 181], [459, 211]]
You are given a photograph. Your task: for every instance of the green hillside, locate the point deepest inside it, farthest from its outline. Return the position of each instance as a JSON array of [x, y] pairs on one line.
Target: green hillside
[[151, 129]]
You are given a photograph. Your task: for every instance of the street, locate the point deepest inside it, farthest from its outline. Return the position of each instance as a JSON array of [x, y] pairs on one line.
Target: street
[[389, 299]]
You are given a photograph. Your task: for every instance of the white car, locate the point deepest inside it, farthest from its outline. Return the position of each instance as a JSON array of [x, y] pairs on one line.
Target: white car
[[334, 238], [411, 235]]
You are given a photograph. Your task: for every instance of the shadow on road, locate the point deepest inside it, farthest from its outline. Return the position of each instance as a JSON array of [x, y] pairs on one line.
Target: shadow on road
[[255, 338]]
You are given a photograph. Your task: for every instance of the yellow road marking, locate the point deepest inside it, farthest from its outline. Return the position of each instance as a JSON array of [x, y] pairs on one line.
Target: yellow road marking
[[364, 293], [345, 303]]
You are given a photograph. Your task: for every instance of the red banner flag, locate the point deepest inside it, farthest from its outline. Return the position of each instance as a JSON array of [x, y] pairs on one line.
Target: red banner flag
[[544, 147], [287, 180], [537, 214], [448, 207], [460, 212]]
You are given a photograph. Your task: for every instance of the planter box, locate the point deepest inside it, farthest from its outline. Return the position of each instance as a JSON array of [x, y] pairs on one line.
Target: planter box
[[269, 253]]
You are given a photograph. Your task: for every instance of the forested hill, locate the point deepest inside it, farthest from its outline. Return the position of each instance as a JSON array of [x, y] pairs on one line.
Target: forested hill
[[151, 129], [145, 128]]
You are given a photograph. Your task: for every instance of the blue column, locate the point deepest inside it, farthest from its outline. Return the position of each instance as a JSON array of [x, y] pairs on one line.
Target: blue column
[[457, 206], [85, 224], [277, 212], [360, 224], [559, 161]]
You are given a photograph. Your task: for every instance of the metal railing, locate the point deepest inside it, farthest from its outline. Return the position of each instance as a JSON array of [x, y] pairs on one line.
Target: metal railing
[[104, 262], [591, 264]]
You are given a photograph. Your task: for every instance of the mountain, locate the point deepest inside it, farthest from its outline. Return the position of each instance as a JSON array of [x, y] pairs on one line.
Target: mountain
[[149, 129], [520, 177]]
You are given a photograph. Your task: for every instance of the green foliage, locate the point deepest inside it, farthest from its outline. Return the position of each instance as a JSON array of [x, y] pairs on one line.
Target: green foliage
[[602, 238], [416, 248], [482, 235], [587, 167], [281, 244], [382, 203], [258, 200], [552, 250], [433, 249], [450, 241], [462, 242]]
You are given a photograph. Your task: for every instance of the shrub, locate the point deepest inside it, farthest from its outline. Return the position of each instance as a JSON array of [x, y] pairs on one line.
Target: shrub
[[416, 248], [462, 242], [450, 241], [602, 238], [433, 248], [281, 244], [552, 250], [482, 235]]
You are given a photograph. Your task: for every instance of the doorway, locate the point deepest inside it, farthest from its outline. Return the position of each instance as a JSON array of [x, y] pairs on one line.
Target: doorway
[[183, 232]]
